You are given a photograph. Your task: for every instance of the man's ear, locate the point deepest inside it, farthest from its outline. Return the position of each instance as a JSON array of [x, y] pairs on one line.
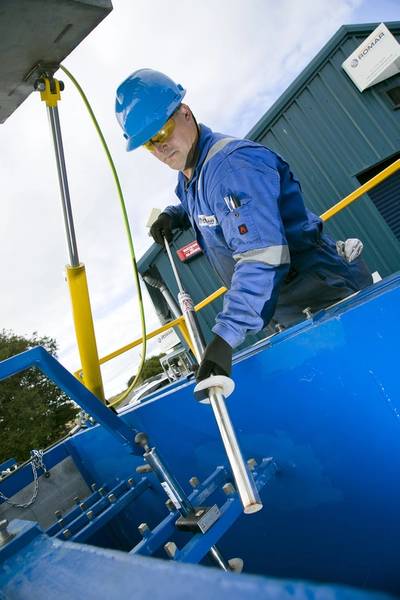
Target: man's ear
[[187, 113]]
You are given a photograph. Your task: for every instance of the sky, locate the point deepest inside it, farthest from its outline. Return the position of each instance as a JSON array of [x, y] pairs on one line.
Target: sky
[[234, 58]]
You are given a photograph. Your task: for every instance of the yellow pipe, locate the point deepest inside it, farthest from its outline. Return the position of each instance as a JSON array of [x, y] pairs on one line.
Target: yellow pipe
[[185, 334], [361, 190], [84, 330], [210, 298], [179, 322]]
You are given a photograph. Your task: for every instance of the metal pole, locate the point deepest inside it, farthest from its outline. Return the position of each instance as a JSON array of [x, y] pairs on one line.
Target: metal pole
[[244, 481], [76, 276], [245, 484], [54, 121], [179, 498]]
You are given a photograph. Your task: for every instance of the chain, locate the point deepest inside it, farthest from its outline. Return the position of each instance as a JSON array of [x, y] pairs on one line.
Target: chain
[[36, 463]]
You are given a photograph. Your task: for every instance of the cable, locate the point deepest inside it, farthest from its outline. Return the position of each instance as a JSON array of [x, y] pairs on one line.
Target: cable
[[124, 394]]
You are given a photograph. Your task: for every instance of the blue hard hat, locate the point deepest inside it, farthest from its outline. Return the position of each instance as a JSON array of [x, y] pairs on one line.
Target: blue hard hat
[[144, 102]]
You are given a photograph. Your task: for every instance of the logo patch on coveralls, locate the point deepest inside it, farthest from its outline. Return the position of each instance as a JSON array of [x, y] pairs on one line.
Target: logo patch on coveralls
[[208, 221], [243, 229]]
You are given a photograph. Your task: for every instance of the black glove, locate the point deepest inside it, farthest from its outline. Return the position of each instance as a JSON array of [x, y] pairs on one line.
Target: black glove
[[217, 359], [162, 227]]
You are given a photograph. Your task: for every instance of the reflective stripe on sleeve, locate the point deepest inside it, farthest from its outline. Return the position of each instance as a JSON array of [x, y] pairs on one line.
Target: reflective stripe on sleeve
[[273, 255]]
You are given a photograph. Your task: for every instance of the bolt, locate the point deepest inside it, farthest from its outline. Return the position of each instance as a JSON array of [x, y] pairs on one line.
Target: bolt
[[278, 328], [58, 515], [102, 491], [131, 482], [143, 529], [82, 506], [144, 469], [229, 489], [5, 535], [170, 505], [170, 549], [112, 498], [235, 565], [66, 533], [77, 500], [39, 85], [93, 487], [252, 463], [194, 482], [142, 440], [307, 312], [90, 515]]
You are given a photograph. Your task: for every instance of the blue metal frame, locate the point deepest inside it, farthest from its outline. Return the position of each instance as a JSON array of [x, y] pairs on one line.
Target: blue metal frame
[[40, 358]]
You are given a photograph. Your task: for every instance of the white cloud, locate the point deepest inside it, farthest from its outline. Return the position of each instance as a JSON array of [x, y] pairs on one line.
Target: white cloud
[[234, 57]]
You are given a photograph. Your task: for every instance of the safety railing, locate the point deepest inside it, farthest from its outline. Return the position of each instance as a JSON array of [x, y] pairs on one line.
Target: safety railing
[[360, 191], [180, 323]]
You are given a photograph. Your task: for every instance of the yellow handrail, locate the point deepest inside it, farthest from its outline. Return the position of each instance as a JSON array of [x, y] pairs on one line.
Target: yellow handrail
[[368, 185], [179, 322]]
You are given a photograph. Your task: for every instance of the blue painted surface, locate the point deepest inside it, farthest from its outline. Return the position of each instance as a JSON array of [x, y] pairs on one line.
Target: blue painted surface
[[48, 568], [323, 399], [40, 358]]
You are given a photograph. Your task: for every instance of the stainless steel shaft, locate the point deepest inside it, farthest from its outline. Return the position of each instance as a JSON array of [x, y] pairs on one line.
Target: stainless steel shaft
[[181, 502], [54, 121], [244, 481]]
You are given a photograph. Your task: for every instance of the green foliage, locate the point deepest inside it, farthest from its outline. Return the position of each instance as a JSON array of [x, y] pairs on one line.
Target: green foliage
[[151, 367], [34, 412]]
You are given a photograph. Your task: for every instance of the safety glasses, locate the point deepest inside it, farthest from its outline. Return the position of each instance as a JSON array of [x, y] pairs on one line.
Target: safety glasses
[[162, 136]]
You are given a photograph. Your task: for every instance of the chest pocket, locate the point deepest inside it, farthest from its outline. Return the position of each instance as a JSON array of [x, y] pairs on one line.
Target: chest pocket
[[239, 227]]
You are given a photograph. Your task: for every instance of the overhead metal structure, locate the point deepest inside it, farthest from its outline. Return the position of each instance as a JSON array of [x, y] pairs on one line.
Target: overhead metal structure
[[40, 32]]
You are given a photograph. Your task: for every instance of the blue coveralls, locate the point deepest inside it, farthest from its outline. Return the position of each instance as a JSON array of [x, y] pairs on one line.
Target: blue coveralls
[[248, 213]]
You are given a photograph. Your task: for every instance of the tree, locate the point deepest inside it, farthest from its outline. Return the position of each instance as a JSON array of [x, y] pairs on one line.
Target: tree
[[151, 367], [34, 412]]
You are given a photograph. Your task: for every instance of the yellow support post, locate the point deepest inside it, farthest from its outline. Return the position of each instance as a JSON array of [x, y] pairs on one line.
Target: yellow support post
[[50, 89], [84, 329]]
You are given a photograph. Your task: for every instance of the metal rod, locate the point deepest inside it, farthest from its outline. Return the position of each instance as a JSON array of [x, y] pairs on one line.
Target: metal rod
[[245, 484], [172, 487], [181, 502], [63, 181], [173, 266], [244, 481]]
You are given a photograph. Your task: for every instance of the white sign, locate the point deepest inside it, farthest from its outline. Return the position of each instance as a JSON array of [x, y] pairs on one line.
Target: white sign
[[375, 60], [168, 339]]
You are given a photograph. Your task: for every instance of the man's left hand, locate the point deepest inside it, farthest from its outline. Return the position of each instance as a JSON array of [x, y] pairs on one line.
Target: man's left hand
[[217, 359]]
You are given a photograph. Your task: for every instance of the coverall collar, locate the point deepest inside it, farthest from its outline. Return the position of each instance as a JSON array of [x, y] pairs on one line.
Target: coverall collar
[[203, 145]]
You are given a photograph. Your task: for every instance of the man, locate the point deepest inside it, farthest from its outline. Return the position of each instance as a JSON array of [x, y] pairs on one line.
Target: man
[[248, 213]]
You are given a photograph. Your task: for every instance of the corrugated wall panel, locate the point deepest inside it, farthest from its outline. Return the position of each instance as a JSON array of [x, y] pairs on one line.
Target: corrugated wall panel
[[329, 132]]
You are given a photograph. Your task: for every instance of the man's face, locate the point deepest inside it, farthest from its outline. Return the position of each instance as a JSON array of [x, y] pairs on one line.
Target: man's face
[[175, 149]]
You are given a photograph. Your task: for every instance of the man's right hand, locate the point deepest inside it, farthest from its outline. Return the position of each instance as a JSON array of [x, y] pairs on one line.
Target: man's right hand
[[162, 227]]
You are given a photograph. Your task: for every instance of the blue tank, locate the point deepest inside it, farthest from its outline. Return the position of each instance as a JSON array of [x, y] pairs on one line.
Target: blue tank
[[316, 406]]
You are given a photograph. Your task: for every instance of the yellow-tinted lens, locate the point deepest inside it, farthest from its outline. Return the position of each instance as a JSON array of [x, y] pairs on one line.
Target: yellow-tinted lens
[[162, 136]]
